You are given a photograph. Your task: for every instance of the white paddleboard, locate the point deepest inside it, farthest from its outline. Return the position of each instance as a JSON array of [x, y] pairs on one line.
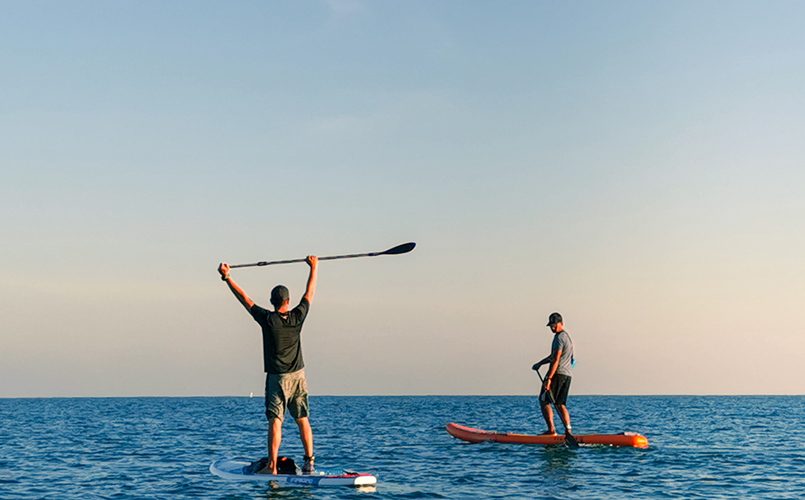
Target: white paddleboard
[[235, 469]]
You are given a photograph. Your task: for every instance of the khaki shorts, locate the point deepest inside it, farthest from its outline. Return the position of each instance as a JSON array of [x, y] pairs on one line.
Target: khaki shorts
[[286, 390]]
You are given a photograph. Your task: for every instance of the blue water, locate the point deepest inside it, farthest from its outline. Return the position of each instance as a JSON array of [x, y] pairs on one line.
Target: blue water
[[703, 447]]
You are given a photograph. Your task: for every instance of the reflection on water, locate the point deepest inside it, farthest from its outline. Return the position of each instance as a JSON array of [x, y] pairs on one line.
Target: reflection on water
[[557, 457]]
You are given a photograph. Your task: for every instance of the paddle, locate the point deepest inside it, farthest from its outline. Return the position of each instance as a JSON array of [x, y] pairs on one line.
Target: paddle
[[570, 440], [399, 249]]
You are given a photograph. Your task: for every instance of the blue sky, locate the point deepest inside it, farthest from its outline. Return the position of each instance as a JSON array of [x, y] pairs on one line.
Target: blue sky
[[635, 165]]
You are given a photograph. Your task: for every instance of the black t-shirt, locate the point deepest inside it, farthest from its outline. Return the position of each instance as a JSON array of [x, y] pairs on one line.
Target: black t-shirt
[[282, 346]]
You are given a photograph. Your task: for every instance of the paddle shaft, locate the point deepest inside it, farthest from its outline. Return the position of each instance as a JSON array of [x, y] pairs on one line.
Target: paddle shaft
[[404, 248], [292, 261], [550, 391]]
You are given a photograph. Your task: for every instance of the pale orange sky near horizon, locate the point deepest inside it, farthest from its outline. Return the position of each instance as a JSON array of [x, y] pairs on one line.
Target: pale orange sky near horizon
[[643, 176]]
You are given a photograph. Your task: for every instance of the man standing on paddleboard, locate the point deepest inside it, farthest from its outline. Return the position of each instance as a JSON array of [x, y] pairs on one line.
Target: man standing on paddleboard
[[556, 383], [286, 386]]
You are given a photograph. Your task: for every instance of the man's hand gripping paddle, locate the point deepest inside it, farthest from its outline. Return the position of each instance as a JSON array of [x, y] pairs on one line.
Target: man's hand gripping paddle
[[570, 441]]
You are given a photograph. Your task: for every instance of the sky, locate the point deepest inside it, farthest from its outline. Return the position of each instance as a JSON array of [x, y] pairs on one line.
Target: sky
[[636, 166]]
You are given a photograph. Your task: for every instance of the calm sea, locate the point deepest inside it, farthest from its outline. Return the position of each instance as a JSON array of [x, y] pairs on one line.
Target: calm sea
[[701, 447]]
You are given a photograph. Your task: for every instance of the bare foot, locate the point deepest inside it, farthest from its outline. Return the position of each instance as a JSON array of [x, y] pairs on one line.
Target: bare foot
[[267, 470], [549, 433]]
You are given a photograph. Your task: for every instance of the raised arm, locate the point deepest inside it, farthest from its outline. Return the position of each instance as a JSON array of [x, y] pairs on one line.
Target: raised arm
[[310, 291], [244, 299]]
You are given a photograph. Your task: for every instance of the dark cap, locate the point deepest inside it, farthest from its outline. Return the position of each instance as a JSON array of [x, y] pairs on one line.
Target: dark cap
[[554, 318], [279, 295]]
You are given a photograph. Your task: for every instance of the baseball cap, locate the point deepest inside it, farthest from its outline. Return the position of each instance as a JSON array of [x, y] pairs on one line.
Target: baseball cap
[[554, 318], [279, 295]]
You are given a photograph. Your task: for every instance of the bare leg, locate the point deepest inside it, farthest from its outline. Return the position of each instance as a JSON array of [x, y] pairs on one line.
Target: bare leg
[[274, 440], [547, 414], [306, 433], [565, 416]]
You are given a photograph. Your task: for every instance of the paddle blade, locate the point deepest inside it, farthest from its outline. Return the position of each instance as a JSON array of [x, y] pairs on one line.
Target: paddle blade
[[404, 248], [571, 441]]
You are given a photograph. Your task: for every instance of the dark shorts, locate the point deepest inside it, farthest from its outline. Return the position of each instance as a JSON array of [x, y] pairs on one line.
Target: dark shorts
[[287, 391], [560, 387]]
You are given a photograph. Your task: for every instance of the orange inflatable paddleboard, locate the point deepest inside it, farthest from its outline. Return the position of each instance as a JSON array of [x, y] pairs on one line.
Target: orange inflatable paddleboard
[[472, 435]]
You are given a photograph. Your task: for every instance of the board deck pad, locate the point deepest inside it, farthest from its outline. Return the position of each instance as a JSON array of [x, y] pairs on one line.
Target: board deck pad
[[236, 469], [473, 435]]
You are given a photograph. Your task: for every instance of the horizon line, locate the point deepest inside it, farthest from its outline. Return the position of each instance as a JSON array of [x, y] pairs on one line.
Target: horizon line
[[395, 396]]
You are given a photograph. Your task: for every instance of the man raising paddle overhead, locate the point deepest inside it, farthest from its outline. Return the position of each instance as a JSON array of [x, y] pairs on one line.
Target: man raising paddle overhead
[[286, 386], [556, 383]]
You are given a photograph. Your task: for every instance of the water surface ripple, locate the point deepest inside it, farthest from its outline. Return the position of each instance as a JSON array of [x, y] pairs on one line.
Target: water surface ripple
[[701, 447]]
